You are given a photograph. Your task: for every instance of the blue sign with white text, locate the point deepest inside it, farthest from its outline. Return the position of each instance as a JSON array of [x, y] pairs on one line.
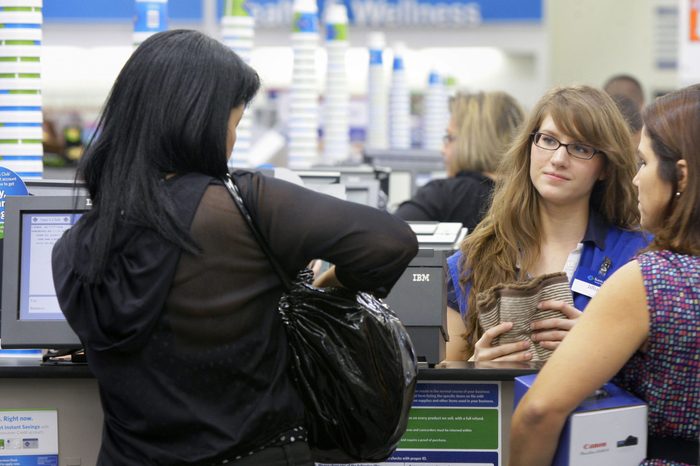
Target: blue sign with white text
[[278, 13], [29, 460], [456, 395], [113, 10], [10, 185]]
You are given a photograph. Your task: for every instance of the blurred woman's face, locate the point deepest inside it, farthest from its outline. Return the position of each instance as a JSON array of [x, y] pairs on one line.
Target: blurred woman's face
[[654, 194], [233, 120], [449, 147]]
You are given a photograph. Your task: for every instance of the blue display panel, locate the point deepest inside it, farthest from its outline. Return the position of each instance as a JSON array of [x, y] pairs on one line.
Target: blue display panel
[[114, 10]]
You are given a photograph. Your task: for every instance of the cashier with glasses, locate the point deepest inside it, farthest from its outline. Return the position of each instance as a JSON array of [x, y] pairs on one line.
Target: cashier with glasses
[[564, 202]]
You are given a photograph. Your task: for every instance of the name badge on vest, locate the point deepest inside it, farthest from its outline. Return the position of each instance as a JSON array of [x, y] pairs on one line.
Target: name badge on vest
[[587, 282]]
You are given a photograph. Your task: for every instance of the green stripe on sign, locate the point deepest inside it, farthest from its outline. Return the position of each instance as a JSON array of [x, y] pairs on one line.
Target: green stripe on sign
[[24, 91], [20, 141], [29, 75], [451, 429], [19, 42]]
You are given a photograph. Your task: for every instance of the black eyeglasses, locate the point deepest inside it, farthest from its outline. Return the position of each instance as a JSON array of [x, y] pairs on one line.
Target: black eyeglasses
[[575, 149]]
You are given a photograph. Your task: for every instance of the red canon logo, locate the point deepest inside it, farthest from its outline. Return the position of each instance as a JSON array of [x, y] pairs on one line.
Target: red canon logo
[[589, 446]]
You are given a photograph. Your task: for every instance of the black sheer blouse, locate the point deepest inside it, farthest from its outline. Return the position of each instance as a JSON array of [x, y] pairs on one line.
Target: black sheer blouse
[[207, 378]]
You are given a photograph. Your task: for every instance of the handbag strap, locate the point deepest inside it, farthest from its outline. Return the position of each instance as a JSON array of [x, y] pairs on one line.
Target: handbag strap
[[238, 200]]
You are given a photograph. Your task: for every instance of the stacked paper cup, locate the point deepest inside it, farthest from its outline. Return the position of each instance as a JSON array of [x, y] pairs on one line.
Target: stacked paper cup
[[151, 17], [435, 112], [238, 32], [336, 134], [303, 97], [376, 94], [399, 103], [20, 87], [450, 87]]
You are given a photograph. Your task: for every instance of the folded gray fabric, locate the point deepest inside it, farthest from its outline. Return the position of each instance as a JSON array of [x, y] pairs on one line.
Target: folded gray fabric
[[517, 303]]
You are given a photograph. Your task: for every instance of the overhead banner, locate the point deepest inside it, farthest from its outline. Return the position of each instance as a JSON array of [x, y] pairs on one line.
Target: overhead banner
[[363, 13], [403, 13]]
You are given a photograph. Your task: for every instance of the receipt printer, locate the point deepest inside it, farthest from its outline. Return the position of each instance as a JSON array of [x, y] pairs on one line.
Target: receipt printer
[[419, 298]]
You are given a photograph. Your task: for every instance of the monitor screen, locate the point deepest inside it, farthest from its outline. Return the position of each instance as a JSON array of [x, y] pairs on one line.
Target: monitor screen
[[39, 231], [359, 195], [363, 192], [410, 169], [31, 317]]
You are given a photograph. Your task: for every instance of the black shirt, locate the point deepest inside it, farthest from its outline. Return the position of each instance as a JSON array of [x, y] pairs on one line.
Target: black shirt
[[189, 350], [464, 198]]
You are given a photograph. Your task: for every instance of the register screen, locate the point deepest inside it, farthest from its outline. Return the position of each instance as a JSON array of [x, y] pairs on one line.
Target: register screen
[[37, 300]]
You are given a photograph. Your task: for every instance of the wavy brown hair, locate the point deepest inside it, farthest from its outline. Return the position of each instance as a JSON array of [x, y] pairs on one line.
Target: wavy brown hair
[[507, 242], [672, 122]]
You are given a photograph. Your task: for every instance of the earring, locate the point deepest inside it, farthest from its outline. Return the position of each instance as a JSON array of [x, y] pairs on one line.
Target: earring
[[678, 194]]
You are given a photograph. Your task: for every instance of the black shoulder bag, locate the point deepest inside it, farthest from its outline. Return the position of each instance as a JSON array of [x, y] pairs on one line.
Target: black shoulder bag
[[352, 363]]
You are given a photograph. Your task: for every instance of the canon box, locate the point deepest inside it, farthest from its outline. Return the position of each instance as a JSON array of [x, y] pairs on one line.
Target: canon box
[[607, 429]]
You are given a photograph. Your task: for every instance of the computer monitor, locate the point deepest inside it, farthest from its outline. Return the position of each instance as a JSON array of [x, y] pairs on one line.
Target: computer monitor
[[47, 187], [363, 192], [410, 169], [314, 177], [55, 188], [351, 172], [30, 315]]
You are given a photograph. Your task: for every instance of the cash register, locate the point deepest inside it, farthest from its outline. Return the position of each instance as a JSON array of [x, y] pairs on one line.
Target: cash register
[[419, 297]]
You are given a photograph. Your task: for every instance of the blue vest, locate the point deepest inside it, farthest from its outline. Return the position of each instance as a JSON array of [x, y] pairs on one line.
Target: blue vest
[[595, 266]]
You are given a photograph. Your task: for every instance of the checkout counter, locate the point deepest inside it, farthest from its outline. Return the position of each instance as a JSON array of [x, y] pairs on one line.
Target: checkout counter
[[71, 390]]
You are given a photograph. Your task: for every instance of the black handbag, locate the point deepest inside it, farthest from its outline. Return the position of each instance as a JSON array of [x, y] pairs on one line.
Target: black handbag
[[352, 363]]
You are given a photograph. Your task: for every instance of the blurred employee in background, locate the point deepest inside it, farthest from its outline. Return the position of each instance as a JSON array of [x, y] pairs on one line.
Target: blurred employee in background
[[627, 86], [564, 202], [165, 284], [646, 317], [481, 128], [633, 116]]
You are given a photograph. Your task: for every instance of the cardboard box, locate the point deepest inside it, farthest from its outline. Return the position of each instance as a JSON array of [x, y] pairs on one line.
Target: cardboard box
[[607, 429]]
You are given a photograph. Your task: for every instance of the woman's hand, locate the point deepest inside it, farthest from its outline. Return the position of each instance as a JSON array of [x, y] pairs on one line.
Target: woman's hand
[[327, 279], [484, 351], [550, 332]]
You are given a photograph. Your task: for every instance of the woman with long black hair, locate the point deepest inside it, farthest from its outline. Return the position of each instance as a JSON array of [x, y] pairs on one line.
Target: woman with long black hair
[[165, 284]]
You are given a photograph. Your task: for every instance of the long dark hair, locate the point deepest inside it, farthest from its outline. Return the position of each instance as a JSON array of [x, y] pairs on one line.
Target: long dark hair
[[167, 112], [672, 122]]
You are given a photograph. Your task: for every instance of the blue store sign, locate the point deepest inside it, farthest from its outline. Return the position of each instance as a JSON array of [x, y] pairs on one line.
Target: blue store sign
[[366, 13], [10, 185]]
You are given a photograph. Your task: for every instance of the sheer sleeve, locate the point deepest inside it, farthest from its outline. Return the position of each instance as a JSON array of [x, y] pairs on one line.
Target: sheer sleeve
[[369, 248]]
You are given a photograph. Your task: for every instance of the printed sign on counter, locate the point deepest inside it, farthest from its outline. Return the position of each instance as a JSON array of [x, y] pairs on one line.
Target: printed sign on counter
[[452, 424], [28, 438]]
